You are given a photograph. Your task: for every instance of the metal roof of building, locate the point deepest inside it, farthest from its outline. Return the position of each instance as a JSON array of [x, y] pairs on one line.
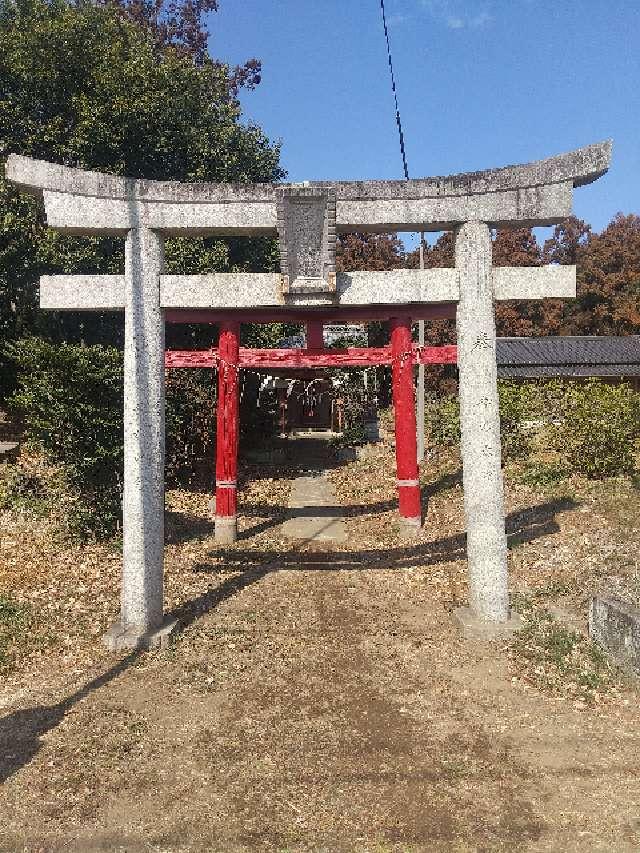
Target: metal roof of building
[[568, 356]]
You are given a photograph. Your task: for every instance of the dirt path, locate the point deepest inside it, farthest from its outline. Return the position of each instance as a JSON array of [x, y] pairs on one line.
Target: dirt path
[[317, 700]]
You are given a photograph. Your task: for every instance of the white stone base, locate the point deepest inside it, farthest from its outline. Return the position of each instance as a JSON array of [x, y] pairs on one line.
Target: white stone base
[[410, 527], [118, 638], [475, 628], [226, 531]]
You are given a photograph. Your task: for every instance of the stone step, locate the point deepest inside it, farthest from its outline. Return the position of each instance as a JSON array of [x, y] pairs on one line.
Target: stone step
[[313, 513]]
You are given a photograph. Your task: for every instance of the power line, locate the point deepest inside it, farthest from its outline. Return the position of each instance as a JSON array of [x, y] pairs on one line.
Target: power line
[[395, 96], [420, 408]]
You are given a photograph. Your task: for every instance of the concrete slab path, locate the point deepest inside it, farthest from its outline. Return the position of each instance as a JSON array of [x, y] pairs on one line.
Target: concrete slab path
[[313, 512]]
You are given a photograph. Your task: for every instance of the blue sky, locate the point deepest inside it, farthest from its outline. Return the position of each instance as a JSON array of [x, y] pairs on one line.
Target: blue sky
[[481, 83]]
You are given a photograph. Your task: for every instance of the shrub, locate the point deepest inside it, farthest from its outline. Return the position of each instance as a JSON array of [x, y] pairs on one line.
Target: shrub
[[35, 487], [356, 408], [518, 404], [543, 474], [70, 399], [598, 427], [443, 418], [190, 420]]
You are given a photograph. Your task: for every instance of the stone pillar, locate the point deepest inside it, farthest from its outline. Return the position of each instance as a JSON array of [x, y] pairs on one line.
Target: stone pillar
[[228, 433], [480, 426], [141, 619], [405, 426]]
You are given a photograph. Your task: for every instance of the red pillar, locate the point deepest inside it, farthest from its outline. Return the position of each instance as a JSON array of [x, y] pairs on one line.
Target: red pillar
[[405, 423], [228, 433], [315, 336]]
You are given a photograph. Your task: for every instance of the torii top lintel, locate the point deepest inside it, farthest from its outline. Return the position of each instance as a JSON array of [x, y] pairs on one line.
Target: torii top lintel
[[306, 219], [538, 193]]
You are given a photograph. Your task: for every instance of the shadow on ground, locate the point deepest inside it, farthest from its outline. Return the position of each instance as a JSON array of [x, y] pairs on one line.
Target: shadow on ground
[[185, 527], [523, 526], [21, 732]]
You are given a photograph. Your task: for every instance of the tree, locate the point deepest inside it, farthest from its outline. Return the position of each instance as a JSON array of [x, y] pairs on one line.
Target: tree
[[86, 86], [608, 286], [179, 24], [369, 252], [569, 237], [440, 254], [516, 247], [372, 252]]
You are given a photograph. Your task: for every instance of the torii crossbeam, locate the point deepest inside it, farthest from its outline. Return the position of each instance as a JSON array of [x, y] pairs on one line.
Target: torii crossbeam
[[306, 219]]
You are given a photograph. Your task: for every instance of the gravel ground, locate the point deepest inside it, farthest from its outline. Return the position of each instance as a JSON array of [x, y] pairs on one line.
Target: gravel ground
[[319, 699]]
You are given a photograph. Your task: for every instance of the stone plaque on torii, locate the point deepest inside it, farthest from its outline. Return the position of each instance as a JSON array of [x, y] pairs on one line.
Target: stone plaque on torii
[[306, 219]]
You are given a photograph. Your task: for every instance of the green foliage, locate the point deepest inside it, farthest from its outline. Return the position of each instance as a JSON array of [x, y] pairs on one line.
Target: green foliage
[[543, 474], [27, 487], [356, 409], [14, 621], [442, 416], [346, 341], [518, 404], [82, 85], [70, 400], [190, 421], [597, 428], [557, 659], [266, 335]]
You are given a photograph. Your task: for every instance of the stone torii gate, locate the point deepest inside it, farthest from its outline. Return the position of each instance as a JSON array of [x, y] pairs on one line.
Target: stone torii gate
[[306, 219]]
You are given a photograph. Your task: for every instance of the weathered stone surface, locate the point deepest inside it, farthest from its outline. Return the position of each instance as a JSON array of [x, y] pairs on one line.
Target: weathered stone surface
[[220, 290], [615, 625], [313, 515], [397, 287], [541, 205], [307, 237], [533, 193], [534, 282], [143, 500], [409, 527], [119, 638], [480, 426], [78, 214], [255, 290], [544, 205], [226, 529], [310, 216], [579, 167], [82, 292], [475, 628]]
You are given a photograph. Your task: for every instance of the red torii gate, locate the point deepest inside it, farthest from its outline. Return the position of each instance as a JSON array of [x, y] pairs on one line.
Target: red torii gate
[[402, 354]]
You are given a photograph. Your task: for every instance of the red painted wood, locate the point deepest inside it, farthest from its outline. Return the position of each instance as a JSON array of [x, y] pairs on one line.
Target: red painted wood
[[191, 358], [337, 314], [315, 337], [228, 420], [436, 355], [352, 357], [405, 417]]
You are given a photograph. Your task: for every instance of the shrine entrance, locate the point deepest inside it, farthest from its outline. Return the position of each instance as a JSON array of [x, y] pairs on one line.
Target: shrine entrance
[[306, 219], [308, 403], [229, 358]]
